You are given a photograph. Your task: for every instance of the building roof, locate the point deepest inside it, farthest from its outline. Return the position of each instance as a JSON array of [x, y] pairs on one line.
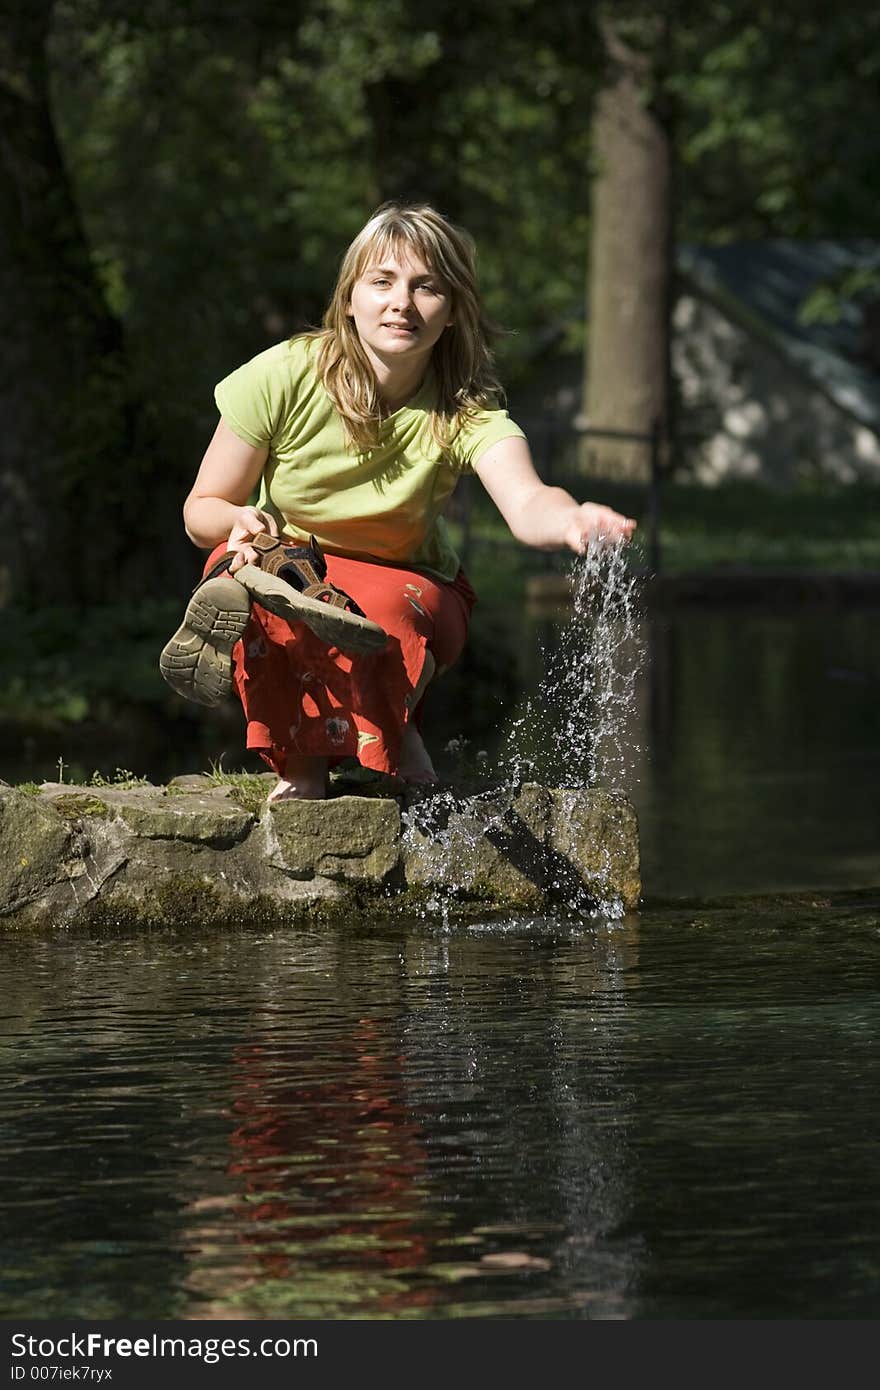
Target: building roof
[[763, 285]]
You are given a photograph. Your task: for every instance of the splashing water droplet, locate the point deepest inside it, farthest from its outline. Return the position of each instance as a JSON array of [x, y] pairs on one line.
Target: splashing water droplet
[[571, 735], [573, 730]]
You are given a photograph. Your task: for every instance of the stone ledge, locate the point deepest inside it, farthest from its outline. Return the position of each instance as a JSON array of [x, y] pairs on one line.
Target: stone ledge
[[194, 854]]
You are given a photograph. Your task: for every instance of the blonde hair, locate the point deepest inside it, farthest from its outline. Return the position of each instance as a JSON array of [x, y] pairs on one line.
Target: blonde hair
[[462, 358]]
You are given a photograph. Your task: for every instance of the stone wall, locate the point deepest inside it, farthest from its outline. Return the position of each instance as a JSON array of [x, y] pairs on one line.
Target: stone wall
[[759, 416], [194, 854]]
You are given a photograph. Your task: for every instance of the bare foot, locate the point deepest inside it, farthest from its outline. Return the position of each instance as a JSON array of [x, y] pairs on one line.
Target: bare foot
[[305, 780], [415, 764]]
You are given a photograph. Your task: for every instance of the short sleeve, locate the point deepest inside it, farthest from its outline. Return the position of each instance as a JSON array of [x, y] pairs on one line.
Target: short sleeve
[[479, 434], [255, 398]]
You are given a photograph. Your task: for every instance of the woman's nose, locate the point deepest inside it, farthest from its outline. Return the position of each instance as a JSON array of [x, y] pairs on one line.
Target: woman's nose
[[402, 298]]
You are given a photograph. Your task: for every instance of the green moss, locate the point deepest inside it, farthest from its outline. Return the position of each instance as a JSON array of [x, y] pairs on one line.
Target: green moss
[[250, 799], [420, 901], [74, 805], [248, 788], [182, 902]]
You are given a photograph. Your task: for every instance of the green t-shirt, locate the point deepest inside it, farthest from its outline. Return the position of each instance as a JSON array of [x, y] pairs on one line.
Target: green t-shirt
[[383, 505]]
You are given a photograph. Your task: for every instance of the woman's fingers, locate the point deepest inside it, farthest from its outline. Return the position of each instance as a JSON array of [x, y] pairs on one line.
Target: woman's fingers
[[250, 522], [595, 522], [245, 555], [610, 523]]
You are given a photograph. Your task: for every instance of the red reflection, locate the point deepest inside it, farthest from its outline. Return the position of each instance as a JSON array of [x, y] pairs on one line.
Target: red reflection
[[331, 1159]]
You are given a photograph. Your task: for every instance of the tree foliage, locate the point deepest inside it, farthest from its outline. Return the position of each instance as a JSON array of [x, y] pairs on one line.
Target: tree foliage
[[219, 154]]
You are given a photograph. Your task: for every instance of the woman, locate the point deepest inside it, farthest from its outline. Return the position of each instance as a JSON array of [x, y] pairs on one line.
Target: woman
[[355, 436]]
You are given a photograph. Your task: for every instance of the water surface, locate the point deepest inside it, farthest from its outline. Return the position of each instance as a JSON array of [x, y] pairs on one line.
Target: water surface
[[675, 1115], [751, 749], [672, 1116]]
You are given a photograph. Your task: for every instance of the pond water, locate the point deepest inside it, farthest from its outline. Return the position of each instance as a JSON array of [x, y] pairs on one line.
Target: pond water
[[760, 764], [674, 1115], [751, 747]]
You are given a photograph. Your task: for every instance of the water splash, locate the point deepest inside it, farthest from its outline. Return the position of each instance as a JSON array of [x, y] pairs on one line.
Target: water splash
[[446, 833], [573, 734], [574, 729]]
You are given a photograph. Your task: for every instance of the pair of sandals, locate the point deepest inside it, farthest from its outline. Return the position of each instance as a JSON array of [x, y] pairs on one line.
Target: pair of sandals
[[288, 580]]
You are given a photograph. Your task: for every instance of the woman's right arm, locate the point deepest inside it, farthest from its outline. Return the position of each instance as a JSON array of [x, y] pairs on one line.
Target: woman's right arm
[[217, 506]]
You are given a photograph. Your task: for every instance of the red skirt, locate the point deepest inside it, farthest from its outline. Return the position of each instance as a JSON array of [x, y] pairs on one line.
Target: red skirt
[[299, 694]]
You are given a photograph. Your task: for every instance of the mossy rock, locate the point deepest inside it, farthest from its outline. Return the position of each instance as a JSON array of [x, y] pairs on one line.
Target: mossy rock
[[183, 902], [205, 820], [76, 805], [348, 837], [139, 857], [35, 846]]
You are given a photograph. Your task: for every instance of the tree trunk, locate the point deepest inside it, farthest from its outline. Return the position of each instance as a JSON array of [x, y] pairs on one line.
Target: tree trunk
[[627, 358], [62, 392]]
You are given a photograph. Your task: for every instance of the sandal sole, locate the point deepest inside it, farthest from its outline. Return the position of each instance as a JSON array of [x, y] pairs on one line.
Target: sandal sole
[[197, 661], [334, 626]]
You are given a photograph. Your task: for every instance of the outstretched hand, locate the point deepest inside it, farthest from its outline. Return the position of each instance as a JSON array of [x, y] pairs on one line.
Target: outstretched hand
[[593, 521], [249, 523]]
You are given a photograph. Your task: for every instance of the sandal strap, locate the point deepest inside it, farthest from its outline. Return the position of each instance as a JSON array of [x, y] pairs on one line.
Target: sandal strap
[[275, 553], [304, 568], [219, 567], [326, 593]]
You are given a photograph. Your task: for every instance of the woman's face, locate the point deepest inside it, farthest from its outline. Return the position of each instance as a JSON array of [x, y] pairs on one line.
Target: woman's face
[[400, 308]]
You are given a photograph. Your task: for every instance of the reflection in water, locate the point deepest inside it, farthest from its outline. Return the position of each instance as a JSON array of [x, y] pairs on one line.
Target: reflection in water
[[673, 1116], [514, 1034], [305, 1125], [388, 1168], [326, 1169]]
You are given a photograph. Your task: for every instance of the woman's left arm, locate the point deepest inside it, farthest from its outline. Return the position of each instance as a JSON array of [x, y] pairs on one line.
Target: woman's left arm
[[542, 516]]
